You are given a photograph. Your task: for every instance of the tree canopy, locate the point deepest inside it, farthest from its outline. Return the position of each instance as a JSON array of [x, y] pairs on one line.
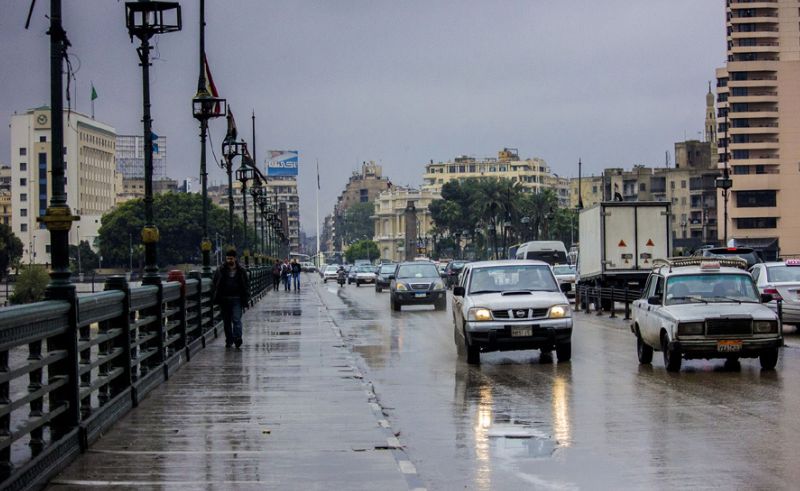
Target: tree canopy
[[10, 249], [356, 223], [178, 217], [362, 249]]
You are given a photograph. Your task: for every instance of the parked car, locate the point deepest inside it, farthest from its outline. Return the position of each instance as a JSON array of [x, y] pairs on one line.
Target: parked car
[[511, 305], [781, 280], [307, 267], [566, 275], [364, 274], [351, 273], [746, 253], [704, 308], [384, 276], [417, 282], [451, 272], [330, 273]]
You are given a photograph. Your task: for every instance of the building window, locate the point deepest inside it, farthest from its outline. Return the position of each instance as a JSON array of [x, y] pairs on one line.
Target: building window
[[23, 227], [23, 197], [759, 222], [23, 212], [672, 184], [683, 184], [472, 168], [755, 199], [42, 139], [451, 169], [23, 182], [642, 187], [23, 151], [23, 166], [47, 248], [594, 189]]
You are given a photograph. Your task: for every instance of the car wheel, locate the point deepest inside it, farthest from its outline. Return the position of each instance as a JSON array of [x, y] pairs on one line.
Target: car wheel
[[768, 358], [643, 350], [473, 353], [564, 352], [440, 304], [672, 357], [378, 289], [358, 284], [395, 304], [460, 345]]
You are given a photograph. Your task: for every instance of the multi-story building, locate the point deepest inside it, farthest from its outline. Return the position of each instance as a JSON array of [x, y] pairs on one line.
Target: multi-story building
[[283, 191], [532, 174], [133, 187], [390, 223], [362, 187], [130, 157], [89, 148], [5, 194], [758, 95]]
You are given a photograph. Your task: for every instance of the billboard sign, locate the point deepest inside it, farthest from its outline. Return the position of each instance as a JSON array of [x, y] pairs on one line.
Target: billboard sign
[[282, 163]]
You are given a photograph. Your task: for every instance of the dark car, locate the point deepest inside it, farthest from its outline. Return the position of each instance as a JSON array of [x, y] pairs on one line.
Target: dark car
[[417, 282], [746, 253], [384, 276], [451, 272]]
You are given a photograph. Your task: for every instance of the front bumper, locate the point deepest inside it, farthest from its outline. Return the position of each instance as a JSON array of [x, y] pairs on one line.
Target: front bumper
[[496, 335], [707, 348], [419, 297], [365, 280]]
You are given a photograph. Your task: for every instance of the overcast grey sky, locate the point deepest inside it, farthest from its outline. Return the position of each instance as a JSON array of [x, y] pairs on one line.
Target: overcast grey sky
[[613, 82]]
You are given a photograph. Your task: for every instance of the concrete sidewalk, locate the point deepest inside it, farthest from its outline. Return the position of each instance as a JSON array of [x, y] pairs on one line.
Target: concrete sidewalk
[[288, 411]]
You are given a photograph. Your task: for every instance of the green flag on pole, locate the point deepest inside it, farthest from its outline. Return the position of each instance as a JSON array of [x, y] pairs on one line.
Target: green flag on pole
[[94, 93]]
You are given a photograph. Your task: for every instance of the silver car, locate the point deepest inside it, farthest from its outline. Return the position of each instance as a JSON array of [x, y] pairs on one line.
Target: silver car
[[704, 308], [566, 274], [782, 281], [511, 305]]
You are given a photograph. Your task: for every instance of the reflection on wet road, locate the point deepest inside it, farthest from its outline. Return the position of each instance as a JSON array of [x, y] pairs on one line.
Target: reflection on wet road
[[601, 421]]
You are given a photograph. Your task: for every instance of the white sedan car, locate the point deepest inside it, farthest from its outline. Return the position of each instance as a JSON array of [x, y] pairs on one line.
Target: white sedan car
[[704, 308], [511, 305], [330, 273], [782, 281]]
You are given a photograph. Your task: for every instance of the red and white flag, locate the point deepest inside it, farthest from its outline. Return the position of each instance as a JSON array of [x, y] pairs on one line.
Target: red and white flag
[[211, 89]]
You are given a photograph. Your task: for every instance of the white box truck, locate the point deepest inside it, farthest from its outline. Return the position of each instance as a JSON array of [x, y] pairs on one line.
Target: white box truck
[[618, 241]]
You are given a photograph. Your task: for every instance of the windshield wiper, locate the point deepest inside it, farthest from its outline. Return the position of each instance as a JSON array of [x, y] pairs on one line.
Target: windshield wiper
[[730, 299], [695, 299], [484, 291]]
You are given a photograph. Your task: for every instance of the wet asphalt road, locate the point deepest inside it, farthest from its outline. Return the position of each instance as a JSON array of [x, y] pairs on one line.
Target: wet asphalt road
[[601, 421]]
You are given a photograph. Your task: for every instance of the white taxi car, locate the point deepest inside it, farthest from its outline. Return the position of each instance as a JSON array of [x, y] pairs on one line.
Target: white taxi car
[[511, 305], [704, 308], [781, 280]]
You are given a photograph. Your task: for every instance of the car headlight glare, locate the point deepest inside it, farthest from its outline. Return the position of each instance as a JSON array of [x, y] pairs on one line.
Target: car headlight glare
[[559, 311], [439, 285], [480, 314], [401, 287], [765, 327], [691, 329]]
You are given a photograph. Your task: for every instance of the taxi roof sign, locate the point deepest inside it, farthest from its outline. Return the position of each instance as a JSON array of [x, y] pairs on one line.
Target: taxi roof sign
[[792, 262], [709, 266]]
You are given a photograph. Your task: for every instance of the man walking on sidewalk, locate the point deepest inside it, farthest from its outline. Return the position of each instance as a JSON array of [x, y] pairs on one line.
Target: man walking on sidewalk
[[232, 293], [296, 274]]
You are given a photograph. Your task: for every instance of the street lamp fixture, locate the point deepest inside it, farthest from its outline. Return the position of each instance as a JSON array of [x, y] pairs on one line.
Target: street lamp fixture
[[144, 20], [255, 190], [230, 149], [243, 174]]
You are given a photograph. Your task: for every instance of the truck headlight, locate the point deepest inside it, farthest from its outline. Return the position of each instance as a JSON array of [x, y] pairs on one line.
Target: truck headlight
[[480, 314], [401, 287], [690, 329], [765, 327], [558, 311], [439, 285]]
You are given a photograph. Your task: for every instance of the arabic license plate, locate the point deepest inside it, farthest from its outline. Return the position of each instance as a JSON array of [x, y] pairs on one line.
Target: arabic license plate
[[729, 346], [420, 295], [521, 331]]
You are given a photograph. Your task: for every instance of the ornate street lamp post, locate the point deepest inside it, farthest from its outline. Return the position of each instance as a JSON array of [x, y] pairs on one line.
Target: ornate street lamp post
[[261, 199], [204, 107], [144, 20], [254, 192], [725, 182], [243, 174], [230, 149]]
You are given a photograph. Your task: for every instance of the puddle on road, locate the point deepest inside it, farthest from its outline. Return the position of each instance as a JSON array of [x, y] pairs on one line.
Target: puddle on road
[[282, 312], [516, 441]]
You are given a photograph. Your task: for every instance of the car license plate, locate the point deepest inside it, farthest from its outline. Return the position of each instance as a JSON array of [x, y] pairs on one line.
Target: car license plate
[[729, 346], [420, 295], [521, 331]]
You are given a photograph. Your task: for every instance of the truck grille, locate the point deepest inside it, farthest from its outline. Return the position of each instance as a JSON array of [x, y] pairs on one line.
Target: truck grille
[[419, 286], [515, 313], [728, 326]]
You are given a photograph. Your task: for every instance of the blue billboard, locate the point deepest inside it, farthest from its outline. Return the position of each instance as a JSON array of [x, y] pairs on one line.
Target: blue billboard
[[282, 163]]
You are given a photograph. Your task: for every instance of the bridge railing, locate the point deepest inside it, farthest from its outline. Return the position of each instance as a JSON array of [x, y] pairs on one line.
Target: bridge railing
[[68, 372]]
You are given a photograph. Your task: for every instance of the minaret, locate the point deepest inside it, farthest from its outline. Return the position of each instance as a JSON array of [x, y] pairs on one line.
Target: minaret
[[711, 119]]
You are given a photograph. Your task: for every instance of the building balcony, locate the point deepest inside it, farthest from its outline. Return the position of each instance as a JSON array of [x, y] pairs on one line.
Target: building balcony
[[752, 99], [763, 145], [765, 81], [753, 66], [755, 114], [756, 181], [764, 129], [751, 4]]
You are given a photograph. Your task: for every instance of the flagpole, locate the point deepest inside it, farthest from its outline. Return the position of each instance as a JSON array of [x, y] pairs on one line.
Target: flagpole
[[319, 260]]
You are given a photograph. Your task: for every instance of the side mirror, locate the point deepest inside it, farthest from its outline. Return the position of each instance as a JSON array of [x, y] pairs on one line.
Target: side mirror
[[654, 300], [458, 291], [565, 287], [767, 297]]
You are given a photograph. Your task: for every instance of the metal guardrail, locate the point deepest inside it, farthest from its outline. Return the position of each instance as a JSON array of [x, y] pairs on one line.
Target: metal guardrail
[[603, 299], [69, 371]]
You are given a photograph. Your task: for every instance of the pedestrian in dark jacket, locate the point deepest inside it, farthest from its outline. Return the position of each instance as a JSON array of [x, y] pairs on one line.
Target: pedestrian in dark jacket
[[232, 293], [276, 275], [286, 274], [296, 274]]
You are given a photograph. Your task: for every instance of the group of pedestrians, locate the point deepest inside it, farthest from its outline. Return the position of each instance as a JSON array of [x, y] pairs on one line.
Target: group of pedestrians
[[232, 291], [287, 273]]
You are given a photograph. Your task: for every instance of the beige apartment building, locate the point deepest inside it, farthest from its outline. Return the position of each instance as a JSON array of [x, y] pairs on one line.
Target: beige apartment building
[[280, 191], [533, 173], [89, 177], [758, 96], [5, 194], [390, 221], [362, 187]]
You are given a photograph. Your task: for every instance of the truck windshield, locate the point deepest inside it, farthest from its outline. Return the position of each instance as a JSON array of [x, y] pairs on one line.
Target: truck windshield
[[708, 288]]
